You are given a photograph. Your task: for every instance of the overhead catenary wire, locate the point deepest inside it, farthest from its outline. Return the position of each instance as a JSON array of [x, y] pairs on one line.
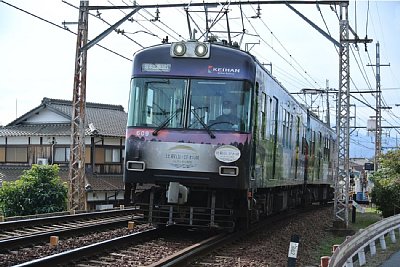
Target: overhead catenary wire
[[315, 83], [281, 73], [161, 22], [61, 27], [98, 16]]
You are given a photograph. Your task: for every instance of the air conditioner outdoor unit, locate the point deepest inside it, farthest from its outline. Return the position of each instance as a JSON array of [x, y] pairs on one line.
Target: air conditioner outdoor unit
[[42, 161]]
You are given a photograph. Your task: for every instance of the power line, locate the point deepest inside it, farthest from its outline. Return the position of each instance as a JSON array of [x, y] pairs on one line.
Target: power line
[[62, 27], [98, 16]]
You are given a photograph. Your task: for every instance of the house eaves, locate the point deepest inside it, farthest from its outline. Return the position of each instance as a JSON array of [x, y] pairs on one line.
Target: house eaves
[[108, 120]]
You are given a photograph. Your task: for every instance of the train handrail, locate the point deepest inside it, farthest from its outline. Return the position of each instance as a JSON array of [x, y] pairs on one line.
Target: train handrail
[[343, 255]]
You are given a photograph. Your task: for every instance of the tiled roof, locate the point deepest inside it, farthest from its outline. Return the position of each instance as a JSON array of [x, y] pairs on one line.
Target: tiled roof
[[109, 120], [106, 182], [98, 182], [36, 130]]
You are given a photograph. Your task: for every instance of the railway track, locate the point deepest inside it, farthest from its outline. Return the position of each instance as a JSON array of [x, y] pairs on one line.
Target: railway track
[[23, 233], [161, 247], [152, 247]]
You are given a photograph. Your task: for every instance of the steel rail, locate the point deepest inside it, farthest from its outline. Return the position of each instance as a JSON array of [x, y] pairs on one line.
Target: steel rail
[[17, 224], [93, 249], [22, 241]]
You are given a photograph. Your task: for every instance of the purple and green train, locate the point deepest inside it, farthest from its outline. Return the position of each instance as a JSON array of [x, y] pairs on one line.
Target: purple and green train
[[214, 140]]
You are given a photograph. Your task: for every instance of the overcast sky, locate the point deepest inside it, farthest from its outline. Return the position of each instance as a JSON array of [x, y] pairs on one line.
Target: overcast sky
[[37, 58]]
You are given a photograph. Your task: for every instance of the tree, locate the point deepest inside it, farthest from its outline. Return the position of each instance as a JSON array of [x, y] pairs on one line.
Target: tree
[[386, 191], [39, 190]]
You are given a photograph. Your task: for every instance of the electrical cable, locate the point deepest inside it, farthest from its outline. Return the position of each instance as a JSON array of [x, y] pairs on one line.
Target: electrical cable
[[61, 27]]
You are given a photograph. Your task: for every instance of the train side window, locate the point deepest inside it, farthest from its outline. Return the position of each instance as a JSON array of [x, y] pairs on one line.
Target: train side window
[[289, 128], [303, 139], [297, 133], [284, 127], [270, 116], [263, 115], [280, 122], [291, 125], [275, 115], [327, 148]]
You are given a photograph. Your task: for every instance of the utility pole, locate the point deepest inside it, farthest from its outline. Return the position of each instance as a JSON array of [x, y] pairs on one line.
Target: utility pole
[[378, 116], [76, 192], [342, 182], [77, 175], [321, 92], [328, 113], [342, 123]]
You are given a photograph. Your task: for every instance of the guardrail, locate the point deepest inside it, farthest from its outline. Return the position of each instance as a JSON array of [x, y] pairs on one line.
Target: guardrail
[[355, 246]]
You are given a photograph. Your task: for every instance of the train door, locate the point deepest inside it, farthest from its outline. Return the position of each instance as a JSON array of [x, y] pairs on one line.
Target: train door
[[296, 164], [319, 151], [274, 116], [306, 140]]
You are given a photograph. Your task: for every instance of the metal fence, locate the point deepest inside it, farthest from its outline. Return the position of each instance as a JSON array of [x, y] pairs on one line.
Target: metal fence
[[354, 248]]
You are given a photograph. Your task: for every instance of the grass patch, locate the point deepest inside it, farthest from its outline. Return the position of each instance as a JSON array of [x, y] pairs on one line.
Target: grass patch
[[325, 248], [363, 220]]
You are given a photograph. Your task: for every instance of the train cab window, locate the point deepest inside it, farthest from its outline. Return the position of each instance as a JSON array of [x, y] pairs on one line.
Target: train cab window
[[219, 105], [194, 104], [157, 102]]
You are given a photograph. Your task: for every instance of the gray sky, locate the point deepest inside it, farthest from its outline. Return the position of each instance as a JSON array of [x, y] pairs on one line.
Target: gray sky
[[37, 58]]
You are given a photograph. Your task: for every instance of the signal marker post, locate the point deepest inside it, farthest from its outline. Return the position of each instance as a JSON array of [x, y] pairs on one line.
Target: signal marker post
[[293, 248]]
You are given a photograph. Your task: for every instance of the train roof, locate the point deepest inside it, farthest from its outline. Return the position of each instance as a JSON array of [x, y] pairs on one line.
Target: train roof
[[224, 63], [243, 60]]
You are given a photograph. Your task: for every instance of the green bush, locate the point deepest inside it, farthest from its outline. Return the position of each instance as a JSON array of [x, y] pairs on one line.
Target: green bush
[[386, 191], [39, 190]]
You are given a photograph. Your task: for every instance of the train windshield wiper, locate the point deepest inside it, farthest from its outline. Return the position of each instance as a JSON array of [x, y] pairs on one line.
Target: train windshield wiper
[[165, 123], [205, 126]]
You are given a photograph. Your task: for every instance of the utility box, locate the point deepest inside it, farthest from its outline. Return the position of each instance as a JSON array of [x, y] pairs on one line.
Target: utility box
[[369, 166]]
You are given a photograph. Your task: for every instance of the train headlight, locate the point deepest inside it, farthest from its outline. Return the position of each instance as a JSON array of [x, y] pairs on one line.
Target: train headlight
[[179, 49], [190, 49], [135, 166], [228, 171], [201, 50]]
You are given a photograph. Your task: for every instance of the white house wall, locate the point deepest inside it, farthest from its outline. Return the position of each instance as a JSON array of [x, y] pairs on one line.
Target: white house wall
[[63, 140], [47, 116], [97, 196], [46, 140], [111, 141], [35, 140], [101, 196], [17, 140]]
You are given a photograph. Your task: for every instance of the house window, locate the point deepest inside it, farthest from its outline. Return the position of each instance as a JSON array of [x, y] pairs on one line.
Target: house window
[[17, 154], [2, 154], [112, 155], [61, 154]]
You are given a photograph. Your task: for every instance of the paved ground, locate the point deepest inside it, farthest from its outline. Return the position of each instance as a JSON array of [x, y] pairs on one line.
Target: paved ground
[[393, 261]]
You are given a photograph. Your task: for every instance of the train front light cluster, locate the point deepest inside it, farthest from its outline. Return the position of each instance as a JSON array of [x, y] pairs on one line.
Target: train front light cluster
[[135, 166], [179, 49], [228, 171], [201, 50], [190, 50]]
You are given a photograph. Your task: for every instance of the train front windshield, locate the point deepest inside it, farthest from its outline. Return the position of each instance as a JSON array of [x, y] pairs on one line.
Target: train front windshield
[[190, 104]]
